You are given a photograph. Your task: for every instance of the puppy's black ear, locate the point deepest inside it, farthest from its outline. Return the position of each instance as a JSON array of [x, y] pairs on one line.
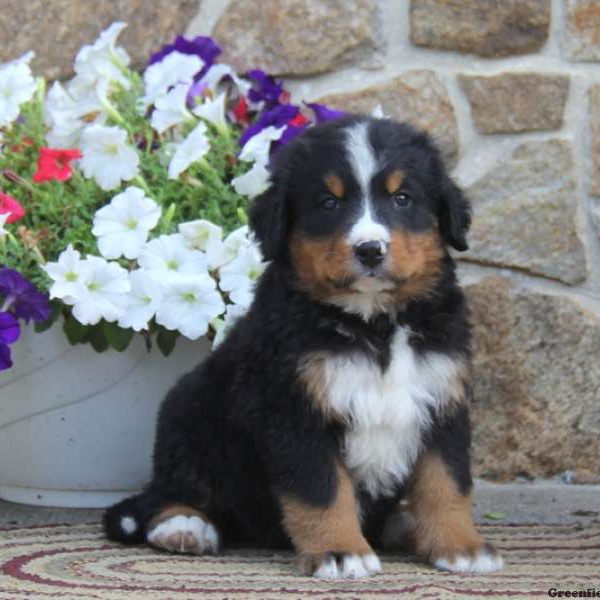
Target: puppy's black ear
[[269, 219], [455, 214]]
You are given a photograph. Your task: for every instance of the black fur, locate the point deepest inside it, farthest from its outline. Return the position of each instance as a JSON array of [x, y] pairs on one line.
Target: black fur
[[239, 430]]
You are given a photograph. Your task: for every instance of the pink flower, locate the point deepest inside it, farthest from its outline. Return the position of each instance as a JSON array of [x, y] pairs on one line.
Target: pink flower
[[55, 164], [11, 205]]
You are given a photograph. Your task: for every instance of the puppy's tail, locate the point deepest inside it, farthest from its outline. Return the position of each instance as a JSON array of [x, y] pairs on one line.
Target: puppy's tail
[[127, 521]]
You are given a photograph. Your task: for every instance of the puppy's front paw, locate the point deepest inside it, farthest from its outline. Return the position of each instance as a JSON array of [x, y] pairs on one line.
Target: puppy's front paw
[[185, 534], [484, 559], [340, 565]]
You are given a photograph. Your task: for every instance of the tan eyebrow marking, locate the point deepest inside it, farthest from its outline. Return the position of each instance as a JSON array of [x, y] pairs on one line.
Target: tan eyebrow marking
[[394, 180], [334, 184]]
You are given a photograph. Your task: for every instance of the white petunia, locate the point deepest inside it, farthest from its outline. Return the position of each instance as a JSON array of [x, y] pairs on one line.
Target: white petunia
[[69, 109], [67, 275], [189, 305], [252, 183], [90, 95], [175, 68], [107, 157], [378, 112], [213, 111], [103, 59], [213, 77], [106, 292], [239, 276], [17, 86], [63, 118], [168, 255], [192, 149], [170, 109], [232, 245], [122, 226], [224, 325], [257, 148], [202, 235], [143, 300], [3, 218]]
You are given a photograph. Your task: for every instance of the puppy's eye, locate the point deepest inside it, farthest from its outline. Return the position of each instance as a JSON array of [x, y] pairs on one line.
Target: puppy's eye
[[329, 203], [402, 198]]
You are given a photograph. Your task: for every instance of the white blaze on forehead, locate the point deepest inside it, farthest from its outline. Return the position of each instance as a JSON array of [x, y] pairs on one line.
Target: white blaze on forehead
[[364, 166], [361, 155]]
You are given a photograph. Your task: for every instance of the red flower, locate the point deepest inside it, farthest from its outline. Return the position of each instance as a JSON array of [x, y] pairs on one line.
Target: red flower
[[55, 164], [240, 111], [298, 120], [11, 205]]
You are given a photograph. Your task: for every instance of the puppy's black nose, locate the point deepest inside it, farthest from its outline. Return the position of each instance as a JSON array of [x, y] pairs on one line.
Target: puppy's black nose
[[369, 253]]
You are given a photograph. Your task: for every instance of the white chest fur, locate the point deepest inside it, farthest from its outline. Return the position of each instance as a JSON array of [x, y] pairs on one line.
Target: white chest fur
[[389, 411]]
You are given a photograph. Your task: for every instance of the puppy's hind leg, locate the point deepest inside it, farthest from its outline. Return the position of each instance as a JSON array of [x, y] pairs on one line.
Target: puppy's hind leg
[[153, 518], [183, 529]]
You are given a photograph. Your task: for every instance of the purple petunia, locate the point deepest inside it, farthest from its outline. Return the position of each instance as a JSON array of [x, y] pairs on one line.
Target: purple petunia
[[323, 113], [264, 89], [204, 47], [291, 131], [22, 297], [196, 89], [277, 117], [9, 333]]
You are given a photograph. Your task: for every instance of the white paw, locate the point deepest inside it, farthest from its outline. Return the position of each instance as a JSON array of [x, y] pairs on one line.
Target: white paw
[[485, 560], [348, 566], [185, 534]]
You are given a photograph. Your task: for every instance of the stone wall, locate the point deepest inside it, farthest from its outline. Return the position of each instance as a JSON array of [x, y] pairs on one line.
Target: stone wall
[[510, 89]]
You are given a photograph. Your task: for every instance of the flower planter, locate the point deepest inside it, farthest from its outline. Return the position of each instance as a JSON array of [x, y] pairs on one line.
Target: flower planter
[[77, 427]]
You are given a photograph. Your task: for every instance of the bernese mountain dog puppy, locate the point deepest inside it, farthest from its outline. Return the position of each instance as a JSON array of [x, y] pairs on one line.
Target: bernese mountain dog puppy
[[334, 416]]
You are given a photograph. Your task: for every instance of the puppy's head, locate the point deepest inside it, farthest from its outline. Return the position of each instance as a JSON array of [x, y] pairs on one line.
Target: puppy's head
[[363, 209]]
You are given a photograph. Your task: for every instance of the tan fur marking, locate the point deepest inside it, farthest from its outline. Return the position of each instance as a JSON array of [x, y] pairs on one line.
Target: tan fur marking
[[335, 185], [336, 528], [175, 510], [415, 258], [444, 524], [393, 181], [311, 373], [321, 264], [458, 391]]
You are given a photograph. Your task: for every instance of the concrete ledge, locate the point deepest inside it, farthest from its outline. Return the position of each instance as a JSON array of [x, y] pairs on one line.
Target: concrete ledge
[[546, 502]]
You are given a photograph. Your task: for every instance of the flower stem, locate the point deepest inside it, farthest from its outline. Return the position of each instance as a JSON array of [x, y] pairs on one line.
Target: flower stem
[[225, 132], [114, 114], [16, 178], [41, 91], [39, 255], [141, 182]]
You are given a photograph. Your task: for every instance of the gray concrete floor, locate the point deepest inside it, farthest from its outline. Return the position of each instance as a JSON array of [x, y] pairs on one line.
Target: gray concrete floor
[[547, 502]]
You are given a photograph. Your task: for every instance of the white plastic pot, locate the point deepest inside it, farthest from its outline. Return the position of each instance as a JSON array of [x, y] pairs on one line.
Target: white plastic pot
[[77, 427]]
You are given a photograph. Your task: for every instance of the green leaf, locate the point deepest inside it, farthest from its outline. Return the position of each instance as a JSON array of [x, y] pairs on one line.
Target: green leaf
[[56, 309], [117, 337], [165, 340], [76, 332], [97, 338], [495, 515]]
